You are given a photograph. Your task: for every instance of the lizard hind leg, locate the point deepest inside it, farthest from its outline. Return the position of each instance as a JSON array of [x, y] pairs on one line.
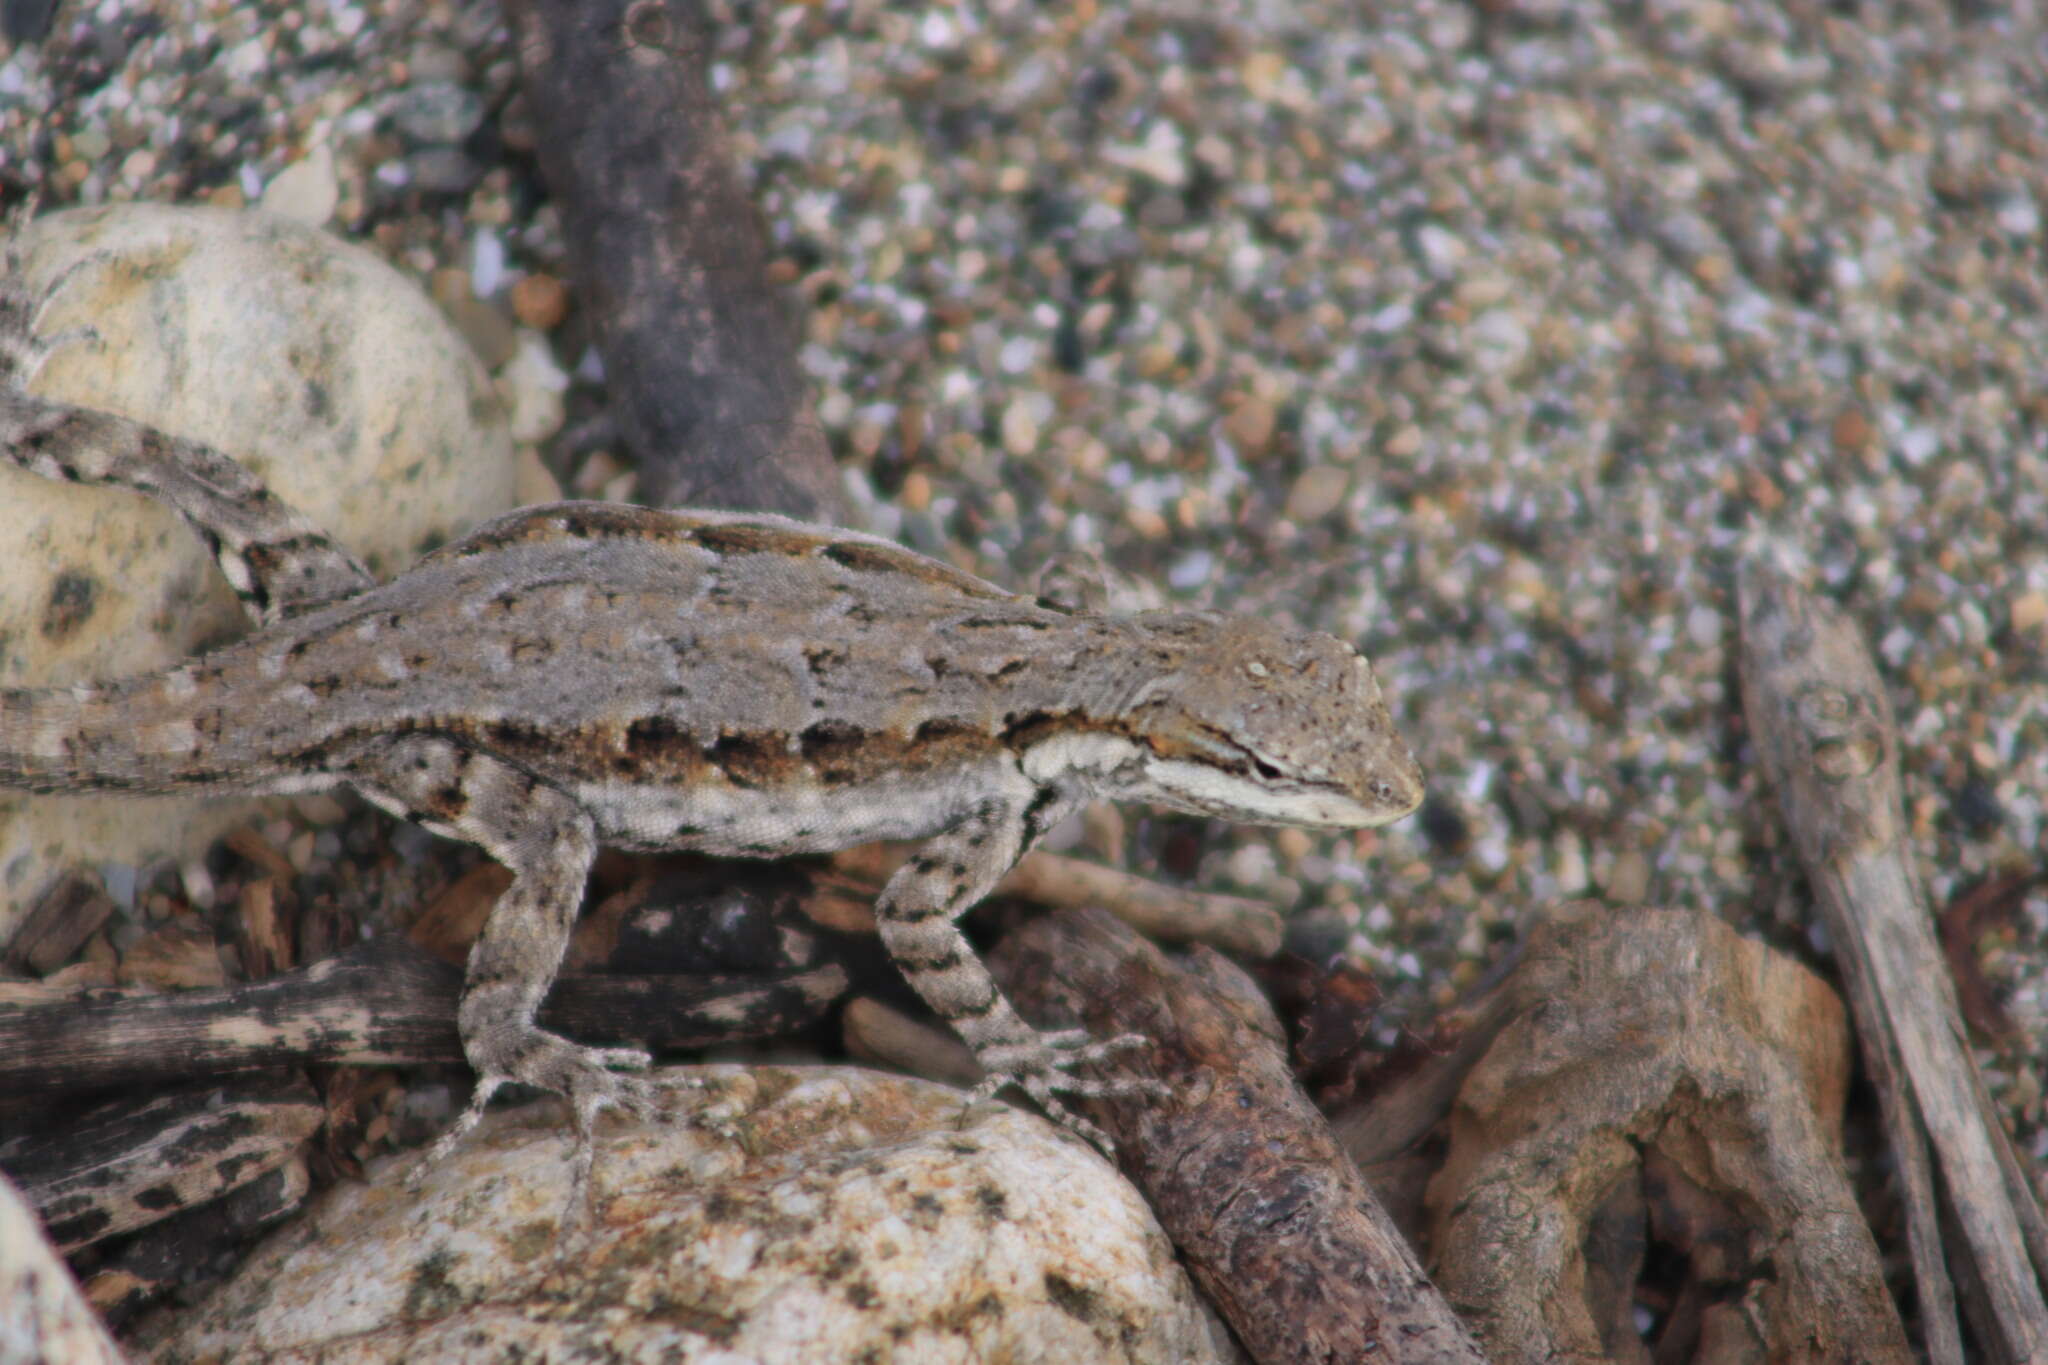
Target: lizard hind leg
[[547, 841]]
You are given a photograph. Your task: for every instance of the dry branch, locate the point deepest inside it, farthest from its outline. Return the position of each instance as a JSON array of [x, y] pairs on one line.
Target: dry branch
[[1658, 1080], [382, 1002], [1233, 924], [1273, 1220], [669, 256], [130, 1163], [63, 918], [1824, 733], [184, 1251], [1230, 924]]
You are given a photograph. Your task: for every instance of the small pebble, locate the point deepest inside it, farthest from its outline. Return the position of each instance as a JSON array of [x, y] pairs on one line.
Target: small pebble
[[1316, 493], [1020, 428], [442, 170], [306, 190], [540, 301], [1628, 880], [1250, 425], [437, 113]]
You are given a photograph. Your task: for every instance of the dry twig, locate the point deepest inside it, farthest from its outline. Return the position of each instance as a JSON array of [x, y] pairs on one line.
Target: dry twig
[[1824, 733]]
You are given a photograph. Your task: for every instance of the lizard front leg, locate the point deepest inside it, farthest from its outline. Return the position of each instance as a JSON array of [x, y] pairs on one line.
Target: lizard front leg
[[278, 562], [915, 913], [547, 841]]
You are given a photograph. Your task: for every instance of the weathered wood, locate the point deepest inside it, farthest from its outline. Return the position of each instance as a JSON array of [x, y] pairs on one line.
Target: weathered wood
[[262, 930], [1388, 1120], [381, 1002], [62, 919], [1658, 1080], [1233, 924], [1272, 1219], [669, 255], [1963, 921], [129, 1163], [1824, 733], [192, 1249], [873, 1032], [42, 1316]]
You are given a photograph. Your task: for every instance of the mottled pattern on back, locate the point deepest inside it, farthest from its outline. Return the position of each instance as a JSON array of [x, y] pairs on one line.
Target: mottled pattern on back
[[779, 650]]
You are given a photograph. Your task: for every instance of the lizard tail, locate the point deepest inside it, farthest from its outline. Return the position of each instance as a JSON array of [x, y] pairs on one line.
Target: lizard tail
[[140, 735]]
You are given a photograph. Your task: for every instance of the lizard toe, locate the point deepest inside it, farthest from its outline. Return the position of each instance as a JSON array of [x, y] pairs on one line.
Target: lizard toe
[[1043, 1095], [1040, 1067], [621, 1058]]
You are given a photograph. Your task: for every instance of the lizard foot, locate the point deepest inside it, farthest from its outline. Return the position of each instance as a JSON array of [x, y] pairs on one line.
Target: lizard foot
[[23, 349], [592, 1079], [1037, 1065]]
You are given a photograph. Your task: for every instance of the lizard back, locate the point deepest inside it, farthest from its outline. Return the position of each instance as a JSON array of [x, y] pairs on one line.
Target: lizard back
[[597, 642]]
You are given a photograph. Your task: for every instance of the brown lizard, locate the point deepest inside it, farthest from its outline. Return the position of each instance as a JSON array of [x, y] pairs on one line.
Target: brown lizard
[[586, 673]]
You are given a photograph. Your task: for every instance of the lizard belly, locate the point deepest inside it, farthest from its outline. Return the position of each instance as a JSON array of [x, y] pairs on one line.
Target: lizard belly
[[741, 821]]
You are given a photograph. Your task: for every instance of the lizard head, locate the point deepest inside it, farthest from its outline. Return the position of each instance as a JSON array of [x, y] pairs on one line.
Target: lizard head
[[1254, 722]]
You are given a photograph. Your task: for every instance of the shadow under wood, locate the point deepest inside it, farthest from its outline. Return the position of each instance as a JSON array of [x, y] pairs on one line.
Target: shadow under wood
[[1648, 1130]]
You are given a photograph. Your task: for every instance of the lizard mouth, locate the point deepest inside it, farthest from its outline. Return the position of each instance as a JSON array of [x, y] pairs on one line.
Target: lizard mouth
[[1267, 799]]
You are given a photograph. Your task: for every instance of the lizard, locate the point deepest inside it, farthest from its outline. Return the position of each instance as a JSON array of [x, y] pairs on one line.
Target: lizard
[[578, 674]]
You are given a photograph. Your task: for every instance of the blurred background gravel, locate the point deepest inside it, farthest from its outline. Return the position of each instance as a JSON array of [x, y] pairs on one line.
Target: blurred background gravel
[[1486, 335]]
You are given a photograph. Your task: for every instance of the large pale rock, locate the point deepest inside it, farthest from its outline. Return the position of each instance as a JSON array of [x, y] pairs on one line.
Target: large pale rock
[[43, 1316], [313, 362], [854, 1217]]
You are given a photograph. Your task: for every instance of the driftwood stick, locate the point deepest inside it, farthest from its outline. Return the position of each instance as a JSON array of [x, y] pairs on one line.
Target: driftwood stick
[[1234, 924], [1824, 733], [1274, 1221], [670, 256], [873, 1032], [133, 1162], [68, 913], [382, 1002], [184, 1251]]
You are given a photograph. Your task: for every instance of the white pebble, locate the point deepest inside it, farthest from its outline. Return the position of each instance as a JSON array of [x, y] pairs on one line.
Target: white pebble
[[1442, 250], [1191, 571], [486, 263]]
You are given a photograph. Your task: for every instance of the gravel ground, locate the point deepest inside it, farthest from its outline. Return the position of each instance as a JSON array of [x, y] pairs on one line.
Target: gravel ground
[[1487, 335]]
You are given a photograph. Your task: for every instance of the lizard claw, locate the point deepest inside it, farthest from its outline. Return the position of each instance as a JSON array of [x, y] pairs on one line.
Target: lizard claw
[[23, 349], [1038, 1066], [592, 1079]]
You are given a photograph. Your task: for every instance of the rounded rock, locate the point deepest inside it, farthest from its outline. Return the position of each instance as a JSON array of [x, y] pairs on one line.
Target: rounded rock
[[313, 362]]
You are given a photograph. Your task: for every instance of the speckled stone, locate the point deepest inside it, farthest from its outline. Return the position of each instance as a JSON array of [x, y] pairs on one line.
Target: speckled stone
[[312, 361], [43, 1316], [856, 1217]]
